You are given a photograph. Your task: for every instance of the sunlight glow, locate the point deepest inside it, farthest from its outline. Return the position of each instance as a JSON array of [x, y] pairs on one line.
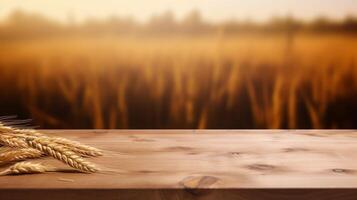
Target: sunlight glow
[[213, 10]]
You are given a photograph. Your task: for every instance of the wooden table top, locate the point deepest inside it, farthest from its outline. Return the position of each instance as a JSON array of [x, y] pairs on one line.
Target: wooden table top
[[208, 160]]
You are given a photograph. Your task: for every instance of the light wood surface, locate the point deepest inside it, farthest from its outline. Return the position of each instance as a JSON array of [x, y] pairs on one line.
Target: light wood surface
[[214, 164]]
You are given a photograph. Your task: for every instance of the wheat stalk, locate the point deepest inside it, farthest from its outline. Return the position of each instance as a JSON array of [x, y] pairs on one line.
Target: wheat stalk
[[60, 152], [13, 155], [26, 168]]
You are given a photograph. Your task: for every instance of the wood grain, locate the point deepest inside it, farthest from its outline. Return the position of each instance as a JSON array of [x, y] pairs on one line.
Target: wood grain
[[192, 164]]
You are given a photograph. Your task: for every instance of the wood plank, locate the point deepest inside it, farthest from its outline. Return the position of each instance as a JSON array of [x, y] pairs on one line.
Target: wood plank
[[192, 164]]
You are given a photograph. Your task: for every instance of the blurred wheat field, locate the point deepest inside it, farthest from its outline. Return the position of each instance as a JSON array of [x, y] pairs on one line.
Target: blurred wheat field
[[213, 81]]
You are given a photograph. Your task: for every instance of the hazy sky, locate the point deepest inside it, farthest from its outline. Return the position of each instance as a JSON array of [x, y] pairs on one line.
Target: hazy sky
[[215, 10]]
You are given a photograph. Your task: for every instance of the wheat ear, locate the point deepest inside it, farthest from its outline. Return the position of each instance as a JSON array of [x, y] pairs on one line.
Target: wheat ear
[[27, 133], [60, 152], [19, 154], [4, 149], [26, 168], [10, 131], [17, 141], [11, 141], [77, 147], [7, 137]]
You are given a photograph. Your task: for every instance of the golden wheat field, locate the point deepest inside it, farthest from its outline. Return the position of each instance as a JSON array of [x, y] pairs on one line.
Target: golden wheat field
[[213, 81]]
